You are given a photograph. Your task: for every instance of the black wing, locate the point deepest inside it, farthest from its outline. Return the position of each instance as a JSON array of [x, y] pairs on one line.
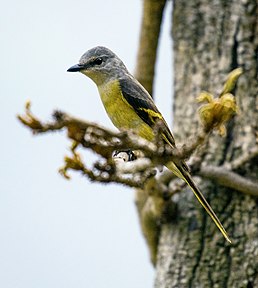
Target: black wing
[[140, 100]]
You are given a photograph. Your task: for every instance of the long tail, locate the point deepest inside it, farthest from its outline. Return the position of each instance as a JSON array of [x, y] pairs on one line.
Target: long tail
[[185, 175]]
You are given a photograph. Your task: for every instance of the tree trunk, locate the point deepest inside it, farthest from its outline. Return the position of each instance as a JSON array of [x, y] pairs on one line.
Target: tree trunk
[[210, 39]]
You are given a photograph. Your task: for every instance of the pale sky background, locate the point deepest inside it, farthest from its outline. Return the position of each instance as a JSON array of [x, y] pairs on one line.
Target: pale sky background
[[58, 233]]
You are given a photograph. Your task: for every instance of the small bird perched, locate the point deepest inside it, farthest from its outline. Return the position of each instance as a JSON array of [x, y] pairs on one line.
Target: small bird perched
[[129, 106]]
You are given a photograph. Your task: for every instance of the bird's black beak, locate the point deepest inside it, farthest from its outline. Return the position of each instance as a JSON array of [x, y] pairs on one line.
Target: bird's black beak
[[75, 68]]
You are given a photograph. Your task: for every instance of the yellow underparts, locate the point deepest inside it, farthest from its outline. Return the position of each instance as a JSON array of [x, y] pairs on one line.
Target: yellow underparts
[[124, 117], [120, 111]]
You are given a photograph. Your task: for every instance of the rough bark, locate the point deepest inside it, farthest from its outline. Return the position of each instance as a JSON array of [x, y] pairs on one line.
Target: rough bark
[[210, 39]]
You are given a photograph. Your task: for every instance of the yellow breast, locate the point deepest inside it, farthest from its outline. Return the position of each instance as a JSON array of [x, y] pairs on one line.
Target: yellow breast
[[120, 112]]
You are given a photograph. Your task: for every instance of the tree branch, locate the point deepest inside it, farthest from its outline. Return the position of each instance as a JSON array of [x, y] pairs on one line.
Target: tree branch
[[230, 179], [104, 141], [147, 50], [243, 159]]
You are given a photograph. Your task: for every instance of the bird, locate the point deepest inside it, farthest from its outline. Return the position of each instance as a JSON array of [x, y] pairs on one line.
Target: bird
[[130, 107]]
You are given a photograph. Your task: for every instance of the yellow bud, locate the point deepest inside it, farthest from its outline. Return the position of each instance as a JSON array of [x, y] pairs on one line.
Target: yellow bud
[[231, 81], [205, 97], [27, 105]]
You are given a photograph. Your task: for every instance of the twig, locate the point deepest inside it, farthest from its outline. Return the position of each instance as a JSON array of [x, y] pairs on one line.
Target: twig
[[133, 167], [104, 172], [99, 139], [248, 156], [104, 141], [229, 179], [187, 150]]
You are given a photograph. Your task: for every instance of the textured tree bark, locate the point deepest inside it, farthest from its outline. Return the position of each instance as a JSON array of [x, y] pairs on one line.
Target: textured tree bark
[[210, 39]]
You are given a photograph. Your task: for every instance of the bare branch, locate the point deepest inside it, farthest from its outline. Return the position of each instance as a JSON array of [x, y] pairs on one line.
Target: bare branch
[[243, 159], [104, 142], [147, 50], [104, 172], [99, 139], [133, 167], [229, 179]]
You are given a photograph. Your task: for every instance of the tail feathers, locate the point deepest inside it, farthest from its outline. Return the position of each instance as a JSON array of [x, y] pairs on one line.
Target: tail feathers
[[188, 179]]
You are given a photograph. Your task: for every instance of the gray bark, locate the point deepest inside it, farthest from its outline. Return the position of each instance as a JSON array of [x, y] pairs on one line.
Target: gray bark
[[210, 39]]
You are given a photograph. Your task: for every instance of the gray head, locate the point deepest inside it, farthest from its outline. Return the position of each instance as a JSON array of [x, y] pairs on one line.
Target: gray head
[[100, 64]]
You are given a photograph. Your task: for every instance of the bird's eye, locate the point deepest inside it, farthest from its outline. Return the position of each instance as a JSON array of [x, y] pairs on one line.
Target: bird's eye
[[98, 61]]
